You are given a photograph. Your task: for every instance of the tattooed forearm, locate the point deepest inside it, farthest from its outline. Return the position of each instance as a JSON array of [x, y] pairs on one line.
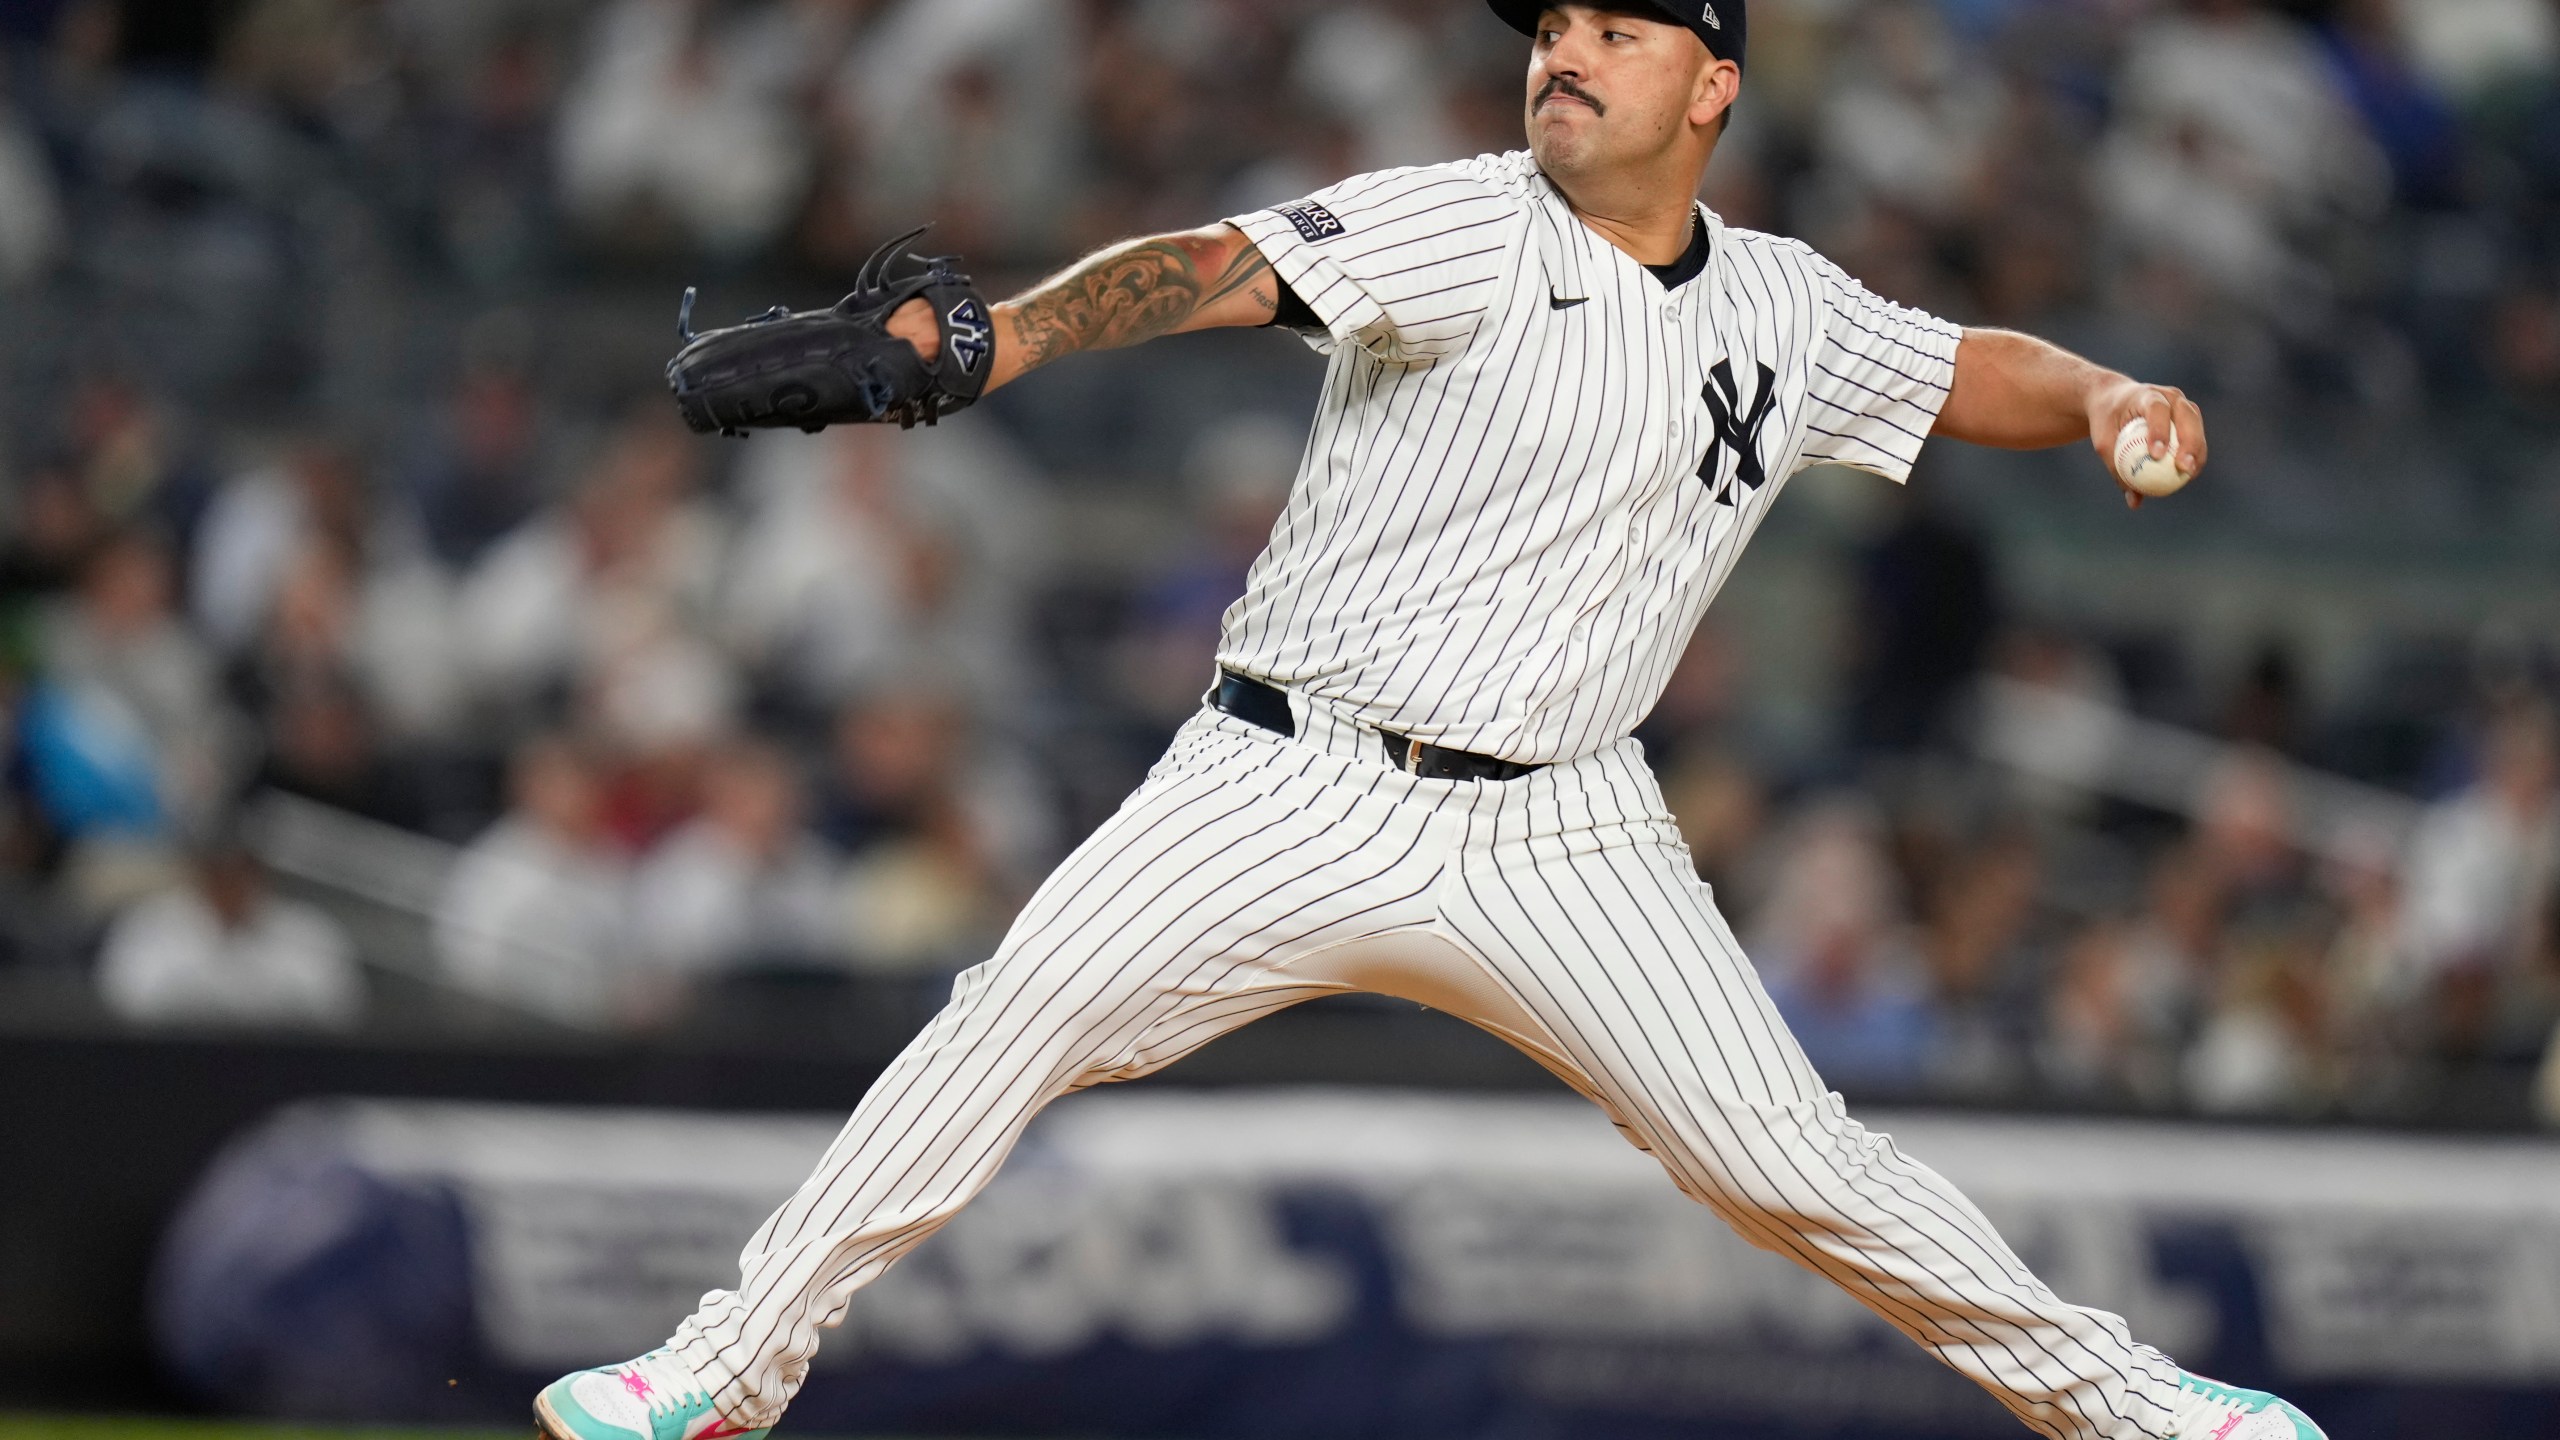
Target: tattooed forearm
[[1243, 267], [1119, 297], [1136, 292]]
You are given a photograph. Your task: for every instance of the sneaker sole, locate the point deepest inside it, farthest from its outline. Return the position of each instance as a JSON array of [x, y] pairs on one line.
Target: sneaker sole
[[547, 1424]]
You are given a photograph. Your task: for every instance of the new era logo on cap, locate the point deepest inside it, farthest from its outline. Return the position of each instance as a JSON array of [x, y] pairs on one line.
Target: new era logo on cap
[[1710, 17]]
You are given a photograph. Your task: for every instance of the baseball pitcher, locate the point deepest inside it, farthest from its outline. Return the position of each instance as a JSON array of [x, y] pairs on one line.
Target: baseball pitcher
[[1561, 397]]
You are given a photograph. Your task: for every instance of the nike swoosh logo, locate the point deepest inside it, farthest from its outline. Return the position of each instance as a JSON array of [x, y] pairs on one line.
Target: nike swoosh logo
[[1562, 302]]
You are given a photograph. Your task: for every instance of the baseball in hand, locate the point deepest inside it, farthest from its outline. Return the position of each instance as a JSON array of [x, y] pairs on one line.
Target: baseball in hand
[[2144, 473]]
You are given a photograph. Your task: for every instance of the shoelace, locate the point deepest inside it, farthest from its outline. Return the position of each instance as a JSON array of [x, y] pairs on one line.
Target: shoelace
[[2203, 1405], [661, 1383]]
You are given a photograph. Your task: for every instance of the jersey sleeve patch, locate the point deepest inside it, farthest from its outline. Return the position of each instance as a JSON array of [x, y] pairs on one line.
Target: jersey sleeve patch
[[1315, 223], [1401, 263]]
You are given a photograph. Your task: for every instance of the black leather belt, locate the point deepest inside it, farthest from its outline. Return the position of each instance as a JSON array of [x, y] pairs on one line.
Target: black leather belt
[[1255, 703]]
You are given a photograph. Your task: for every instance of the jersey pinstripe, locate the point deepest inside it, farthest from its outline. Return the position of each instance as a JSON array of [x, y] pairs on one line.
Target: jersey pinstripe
[[1533, 465]]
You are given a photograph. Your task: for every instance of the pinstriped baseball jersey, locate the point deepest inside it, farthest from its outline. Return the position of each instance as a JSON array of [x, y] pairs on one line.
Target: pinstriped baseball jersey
[[1534, 464]]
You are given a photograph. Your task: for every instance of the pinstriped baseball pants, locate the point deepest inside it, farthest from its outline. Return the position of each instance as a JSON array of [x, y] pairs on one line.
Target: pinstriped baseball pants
[[1251, 872]]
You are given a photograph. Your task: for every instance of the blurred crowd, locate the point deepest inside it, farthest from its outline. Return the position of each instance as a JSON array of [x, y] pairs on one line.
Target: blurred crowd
[[332, 470], [1931, 921]]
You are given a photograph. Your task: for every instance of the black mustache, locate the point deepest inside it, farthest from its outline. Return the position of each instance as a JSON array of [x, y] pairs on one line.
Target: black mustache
[[1559, 85]]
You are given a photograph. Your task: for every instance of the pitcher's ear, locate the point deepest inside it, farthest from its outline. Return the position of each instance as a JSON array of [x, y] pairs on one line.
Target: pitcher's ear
[[1719, 84]]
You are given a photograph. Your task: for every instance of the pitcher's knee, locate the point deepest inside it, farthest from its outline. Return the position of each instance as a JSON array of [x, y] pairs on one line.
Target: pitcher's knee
[[1766, 1155]]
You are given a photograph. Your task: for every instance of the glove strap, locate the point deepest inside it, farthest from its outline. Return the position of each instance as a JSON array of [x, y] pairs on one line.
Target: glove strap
[[961, 315], [968, 353]]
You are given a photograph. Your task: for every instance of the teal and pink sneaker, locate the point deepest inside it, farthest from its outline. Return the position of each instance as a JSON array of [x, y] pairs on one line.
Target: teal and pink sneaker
[[652, 1398], [2211, 1410]]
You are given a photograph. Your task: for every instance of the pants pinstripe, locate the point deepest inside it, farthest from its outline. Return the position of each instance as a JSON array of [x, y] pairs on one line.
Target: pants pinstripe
[[1251, 872]]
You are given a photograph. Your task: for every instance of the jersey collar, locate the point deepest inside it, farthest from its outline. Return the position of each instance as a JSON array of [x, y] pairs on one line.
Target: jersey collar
[[1577, 260]]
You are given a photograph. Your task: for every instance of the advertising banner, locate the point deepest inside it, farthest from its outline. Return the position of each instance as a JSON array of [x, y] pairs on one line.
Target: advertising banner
[[1336, 1264]]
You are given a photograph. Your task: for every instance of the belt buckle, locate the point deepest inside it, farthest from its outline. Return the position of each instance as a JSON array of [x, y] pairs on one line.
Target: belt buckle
[[1412, 757]]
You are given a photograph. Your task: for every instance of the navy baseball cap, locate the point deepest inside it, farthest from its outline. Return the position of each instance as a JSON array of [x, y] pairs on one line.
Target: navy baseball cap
[[1720, 23]]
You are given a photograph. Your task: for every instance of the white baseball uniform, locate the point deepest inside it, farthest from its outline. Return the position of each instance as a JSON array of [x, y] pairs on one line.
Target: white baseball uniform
[[1532, 467]]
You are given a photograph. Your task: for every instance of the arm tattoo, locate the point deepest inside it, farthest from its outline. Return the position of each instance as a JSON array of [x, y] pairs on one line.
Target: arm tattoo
[[1128, 294], [1242, 270]]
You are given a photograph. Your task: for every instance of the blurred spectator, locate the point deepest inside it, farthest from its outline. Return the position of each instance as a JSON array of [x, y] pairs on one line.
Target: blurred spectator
[[631, 557], [128, 679], [224, 950], [660, 703], [2514, 414], [2096, 1044], [53, 525], [532, 914], [2244, 833], [2172, 951], [296, 578], [681, 117], [2480, 875], [930, 830], [868, 553], [2234, 150], [487, 74], [1722, 808], [136, 464], [1831, 949], [254, 524], [2266, 709], [745, 884], [1912, 130], [307, 63], [2483, 861], [1702, 703], [963, 112], [1147, 93], [2261, 1049], [303, 630], [2061, 754], [2468, 48], [323, 744], [191, 223], [1239, 473], [2408, 116], [2369, 979], [1983, 979], [474, 470], [1928, 607], [31, 221], [1372, 66]]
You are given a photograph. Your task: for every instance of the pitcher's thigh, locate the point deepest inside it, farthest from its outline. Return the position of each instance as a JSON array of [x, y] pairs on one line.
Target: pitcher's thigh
[[1626, 963], [1173, 922], [1619, 950], [1620, 954]]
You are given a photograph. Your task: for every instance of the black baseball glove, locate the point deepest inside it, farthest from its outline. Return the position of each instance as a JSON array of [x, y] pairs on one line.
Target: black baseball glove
[[813, 368]]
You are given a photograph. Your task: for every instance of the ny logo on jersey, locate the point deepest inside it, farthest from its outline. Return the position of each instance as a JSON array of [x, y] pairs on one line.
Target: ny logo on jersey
[[1736, 425], [970, 334]]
